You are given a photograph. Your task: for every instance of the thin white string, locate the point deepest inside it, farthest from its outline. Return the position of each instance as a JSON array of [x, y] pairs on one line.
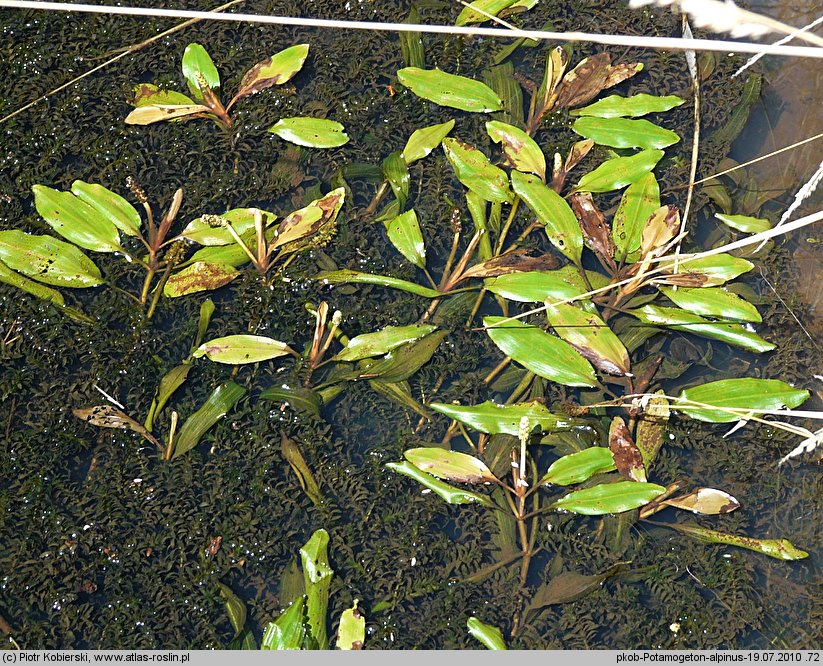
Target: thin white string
[[672, 43]]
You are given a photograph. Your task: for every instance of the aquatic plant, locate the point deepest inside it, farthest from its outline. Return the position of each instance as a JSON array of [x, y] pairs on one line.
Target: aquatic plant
[[155, 105]]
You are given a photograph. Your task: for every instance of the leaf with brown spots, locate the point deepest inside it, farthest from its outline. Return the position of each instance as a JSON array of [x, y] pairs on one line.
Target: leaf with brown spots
[[584, 82], [596, 232], [200, 276], [627, 457], [705, 501], [155, 113], [311, 226], [577, 152], [517, 261], [619, 73], [660, 228], [275, 70], [108, 416]]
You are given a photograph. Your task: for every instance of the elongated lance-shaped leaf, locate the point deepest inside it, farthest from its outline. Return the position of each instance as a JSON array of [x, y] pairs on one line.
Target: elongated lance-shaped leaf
[[686, 322], [197, 277], [492, 418], [275, 70], [396, 172], [400, 394], [198, 67], [625, 133], [588, 333], [382, 342], [521, 151], [108, 416], [235, 608], [300, 399], [317, 575], [36, 289], [404, 233], [343, 276], [780, 549], [311, 132], [48, 260], [457, 92], [543, 354], [450, 465], [155, 113], [651, 429], [745, 223], [714, 270], [75, 220], [403, 361], [170, 382], [615, 106], [705, 501], [450, 494], [552, 212], [488, 7], [609, 498], [474, 170], [618, 172], [637, 204], [239, 349], [491, 637], [577, 467], [537, 286], [148, 94], [311, 224], [294, 456], [424, 140], [568, 587], [287, 632], [216, 406], [712, 302], [750, 394], [211, 229], [110, 205], [352, 630]]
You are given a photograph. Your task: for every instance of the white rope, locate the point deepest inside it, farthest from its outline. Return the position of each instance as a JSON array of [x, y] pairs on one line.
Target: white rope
[[671, 43]]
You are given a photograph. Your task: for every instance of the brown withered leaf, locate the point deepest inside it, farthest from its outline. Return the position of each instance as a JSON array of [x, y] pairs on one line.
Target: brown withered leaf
[[311, 226], [577, 152], [706, 501], [253, 82], [661, 227], [584, 82], [214, 545], [619, 73], [685, 279], [567, 587], [108, 416], [651, 428], [596, 232], [294, 456], [516, 261], [199, 276], [627, 457]]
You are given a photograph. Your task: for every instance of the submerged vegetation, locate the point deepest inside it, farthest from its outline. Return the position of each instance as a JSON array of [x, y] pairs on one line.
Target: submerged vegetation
[[489, 280]]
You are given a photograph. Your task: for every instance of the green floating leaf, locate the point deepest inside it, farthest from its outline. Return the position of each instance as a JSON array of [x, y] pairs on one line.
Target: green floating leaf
[[553, 212], [238, 349], [301, 400], [537, 286], [521, 151], [780, 549], [489, 7], [242, 220], [317, 575], [351, 633], [148, 94], [275, 70], [615, 106], [751, 225], [640, 200], [543, 354], [716, 269], [424, 140], [474, 170], [311, 132], [75, 220], [492, 418], [577, 467], [609, 498], [48, 260], [287, 632], [383, 341], [217, 405], [197, 65], [588, 333], [440, 488], [155, 113], [686, 322], [624, 133], [712, 302], [403, 361], [749, 394], [36, 289], [396, 172], [110, 205], [618, 172], [170, 382], [457, 92], [343, 276], [404, 233], [199, 276], [450, 465], [491, 637]]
